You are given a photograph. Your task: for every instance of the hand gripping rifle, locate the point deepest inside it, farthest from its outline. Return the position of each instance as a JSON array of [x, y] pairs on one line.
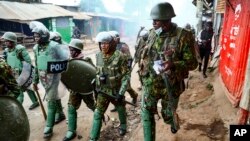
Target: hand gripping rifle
[[170, 93], [111, 97]]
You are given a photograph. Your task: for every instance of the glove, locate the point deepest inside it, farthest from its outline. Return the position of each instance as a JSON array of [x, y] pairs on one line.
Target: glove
[[167, 65], [119, 98]]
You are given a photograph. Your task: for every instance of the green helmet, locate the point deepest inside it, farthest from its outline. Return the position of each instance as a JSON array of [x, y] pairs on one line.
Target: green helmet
[[162, 11], [76, 43], [13, 120], [10, 36]]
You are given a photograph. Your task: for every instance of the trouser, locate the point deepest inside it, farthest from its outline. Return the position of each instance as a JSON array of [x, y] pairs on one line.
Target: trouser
[[31, 95], [101, 107], [204, 54], [151, 94]]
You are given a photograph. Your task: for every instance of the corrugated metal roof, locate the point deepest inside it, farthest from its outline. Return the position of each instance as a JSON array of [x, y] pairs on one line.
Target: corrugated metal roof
[[81, 16], [22, 12], [105, 15]]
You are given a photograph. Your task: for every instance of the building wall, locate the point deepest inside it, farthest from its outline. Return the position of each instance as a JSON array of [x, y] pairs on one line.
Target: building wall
[[235, 46]]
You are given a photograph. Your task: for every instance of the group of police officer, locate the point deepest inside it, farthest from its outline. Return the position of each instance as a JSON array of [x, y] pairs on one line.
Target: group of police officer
[[165, 54]]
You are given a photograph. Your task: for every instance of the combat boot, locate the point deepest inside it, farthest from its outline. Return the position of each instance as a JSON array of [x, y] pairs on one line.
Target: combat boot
[[59, 112], [33, 98], [48, 130], [72, 124], [123, 120]]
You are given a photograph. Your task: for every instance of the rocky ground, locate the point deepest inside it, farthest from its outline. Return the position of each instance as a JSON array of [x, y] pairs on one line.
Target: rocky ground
[[204, 110]]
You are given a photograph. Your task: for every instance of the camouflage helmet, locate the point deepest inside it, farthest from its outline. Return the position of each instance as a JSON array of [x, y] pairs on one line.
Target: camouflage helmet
[[14, 120], [76, 43], [104, 37], [43, 32], [114, 33], [10, 36], [162, 11]]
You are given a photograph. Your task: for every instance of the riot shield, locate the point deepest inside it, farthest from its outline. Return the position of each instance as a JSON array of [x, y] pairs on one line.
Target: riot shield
[[78, 76], [25, 78], [13, 120]]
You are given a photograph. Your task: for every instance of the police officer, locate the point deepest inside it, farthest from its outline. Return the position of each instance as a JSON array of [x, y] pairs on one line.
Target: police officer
[[48, 55], [173, 46], [140, 44], [60, 116], [8, 84], [123, 47], [112, 77], [17, 53], [76, 47]]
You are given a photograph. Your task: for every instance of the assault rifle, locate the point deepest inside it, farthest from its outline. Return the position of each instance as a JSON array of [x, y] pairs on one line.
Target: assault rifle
[[165, 78], [111, 97]]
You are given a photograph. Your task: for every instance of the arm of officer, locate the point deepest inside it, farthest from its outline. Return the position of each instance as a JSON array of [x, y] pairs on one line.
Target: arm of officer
[[125, 75]]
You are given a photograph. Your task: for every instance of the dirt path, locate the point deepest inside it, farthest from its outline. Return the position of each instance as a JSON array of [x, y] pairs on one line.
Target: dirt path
[[204, 111]]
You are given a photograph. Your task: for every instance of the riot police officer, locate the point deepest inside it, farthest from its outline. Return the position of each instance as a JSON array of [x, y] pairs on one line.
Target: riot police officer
[[50, 60], [60, 116], [170, 48], [75, 98], [123, 47], [17, 53], [112, 77]]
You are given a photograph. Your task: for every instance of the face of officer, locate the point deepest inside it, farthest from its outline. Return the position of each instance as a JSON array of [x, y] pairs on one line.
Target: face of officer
[[105, 47], [164, 24], [74, 52], [37, 37], [9, 44]]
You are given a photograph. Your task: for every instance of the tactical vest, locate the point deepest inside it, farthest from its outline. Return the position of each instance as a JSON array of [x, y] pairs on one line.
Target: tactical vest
[[108, 72], [43, 57], [14, 59], [157, 45]]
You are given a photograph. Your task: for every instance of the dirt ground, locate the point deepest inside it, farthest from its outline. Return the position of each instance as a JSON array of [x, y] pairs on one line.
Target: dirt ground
[[204, 110]]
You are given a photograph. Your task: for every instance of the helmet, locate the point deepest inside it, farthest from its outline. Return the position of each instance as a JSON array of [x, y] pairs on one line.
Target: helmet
[[76, 43], [43, 32], [114, 34], [55, 36], [104, 37], [162, 11], [10, 36], [144, 33]]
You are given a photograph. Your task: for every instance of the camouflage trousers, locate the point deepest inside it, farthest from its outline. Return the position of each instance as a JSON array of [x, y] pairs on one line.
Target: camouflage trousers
[[75, 100]]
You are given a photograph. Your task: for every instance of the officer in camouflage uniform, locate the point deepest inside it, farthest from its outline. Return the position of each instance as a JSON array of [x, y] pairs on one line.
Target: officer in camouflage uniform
[[140, 44], [175, 44], [60, 116], [123, 47], [8, 84], [48, 51], [112, 77], [76, 47], [17, 53]]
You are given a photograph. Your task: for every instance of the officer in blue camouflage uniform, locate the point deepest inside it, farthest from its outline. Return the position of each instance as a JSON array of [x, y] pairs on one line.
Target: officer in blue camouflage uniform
[[17, 53], [112, 77], [76, 47], [123, 47], [49, 55], [177, 47], [8, 84]]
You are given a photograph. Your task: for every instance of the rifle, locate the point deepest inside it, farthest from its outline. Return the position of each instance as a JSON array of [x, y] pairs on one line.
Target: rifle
[[111, 97], [170, 94]]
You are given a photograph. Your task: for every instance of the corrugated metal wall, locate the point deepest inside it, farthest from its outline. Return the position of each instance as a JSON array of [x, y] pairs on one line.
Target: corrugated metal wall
[[235, 47]]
